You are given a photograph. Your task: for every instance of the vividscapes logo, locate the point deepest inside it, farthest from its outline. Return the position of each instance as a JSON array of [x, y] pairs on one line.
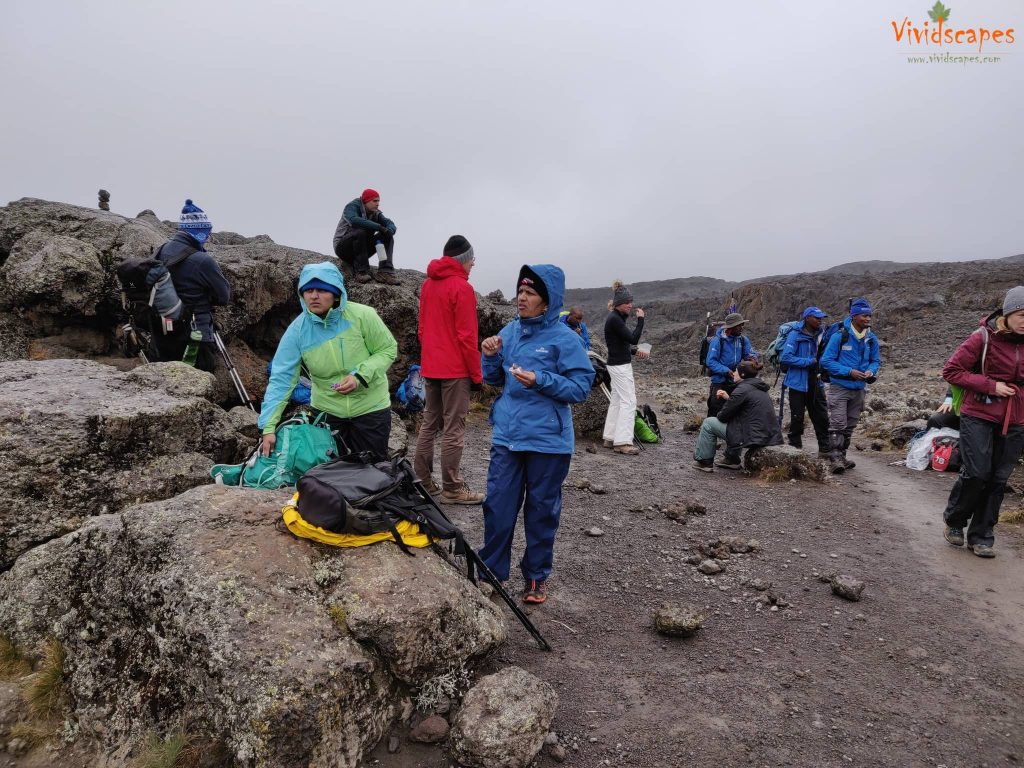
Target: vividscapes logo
[[940, 33]]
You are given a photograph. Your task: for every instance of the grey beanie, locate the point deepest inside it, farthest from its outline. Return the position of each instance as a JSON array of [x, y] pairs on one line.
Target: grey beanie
[[1014, 301], [622, 295]]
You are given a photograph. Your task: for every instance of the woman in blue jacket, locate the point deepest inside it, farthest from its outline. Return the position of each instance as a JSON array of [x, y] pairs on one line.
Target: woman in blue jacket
[[542, 368]]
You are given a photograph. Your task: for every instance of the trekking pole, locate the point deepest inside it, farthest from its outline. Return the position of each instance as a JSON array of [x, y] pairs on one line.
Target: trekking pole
[[232, 371], [474, 559]]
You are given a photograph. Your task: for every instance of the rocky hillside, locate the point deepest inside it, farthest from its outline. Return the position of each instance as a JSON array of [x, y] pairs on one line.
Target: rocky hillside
[[921, 310], [595, 300]]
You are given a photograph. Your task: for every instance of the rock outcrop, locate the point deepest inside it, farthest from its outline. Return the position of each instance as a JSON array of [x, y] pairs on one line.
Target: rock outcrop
[[57, 273], [78, 438], [785, 462], [202, 610]]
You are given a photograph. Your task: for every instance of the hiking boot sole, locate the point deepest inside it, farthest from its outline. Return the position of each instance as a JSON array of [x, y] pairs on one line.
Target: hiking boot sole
[[461, 502], [702, 468]]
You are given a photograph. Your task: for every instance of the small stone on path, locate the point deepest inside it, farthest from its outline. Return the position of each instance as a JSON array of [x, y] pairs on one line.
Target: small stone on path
[[595, 531], [847, 587]]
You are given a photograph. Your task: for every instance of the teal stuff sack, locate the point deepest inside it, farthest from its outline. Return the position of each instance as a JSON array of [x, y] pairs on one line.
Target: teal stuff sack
[[301, 445]]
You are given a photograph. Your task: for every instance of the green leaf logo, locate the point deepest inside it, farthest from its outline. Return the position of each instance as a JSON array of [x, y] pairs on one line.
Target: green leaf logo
[[939, 13]]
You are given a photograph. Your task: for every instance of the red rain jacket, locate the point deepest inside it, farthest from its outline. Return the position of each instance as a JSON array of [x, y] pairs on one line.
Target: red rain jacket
[[1004, 361], [448, 327]]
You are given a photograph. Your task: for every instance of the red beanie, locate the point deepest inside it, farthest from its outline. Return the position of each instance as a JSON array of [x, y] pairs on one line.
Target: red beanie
[[369, 194]]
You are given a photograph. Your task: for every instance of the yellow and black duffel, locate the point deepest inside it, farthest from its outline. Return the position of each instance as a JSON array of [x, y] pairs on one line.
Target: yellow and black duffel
[[349, 504]]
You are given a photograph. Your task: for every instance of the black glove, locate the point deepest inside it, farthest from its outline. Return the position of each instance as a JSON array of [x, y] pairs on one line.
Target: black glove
[[475, 387]]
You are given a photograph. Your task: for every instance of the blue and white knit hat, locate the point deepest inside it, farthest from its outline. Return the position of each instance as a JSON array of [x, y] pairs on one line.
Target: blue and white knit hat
[[195, 222]]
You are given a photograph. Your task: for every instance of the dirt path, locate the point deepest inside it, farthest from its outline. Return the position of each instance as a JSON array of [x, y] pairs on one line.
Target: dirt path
[[927, 670], [915, 500]]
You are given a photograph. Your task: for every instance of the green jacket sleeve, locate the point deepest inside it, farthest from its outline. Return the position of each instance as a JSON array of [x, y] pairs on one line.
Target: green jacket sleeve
[[380, 344]]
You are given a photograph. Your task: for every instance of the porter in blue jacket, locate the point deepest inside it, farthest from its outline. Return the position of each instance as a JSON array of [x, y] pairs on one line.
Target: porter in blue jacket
[[542, 369]]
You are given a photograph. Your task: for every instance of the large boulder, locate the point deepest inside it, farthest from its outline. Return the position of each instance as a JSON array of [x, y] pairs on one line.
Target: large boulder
[[588, 417], [78, 438], [204, 609], [503, 720]]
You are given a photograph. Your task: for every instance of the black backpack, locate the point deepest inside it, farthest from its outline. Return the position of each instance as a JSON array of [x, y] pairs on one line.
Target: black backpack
[[350, 495], [837, 327], [650, 418]]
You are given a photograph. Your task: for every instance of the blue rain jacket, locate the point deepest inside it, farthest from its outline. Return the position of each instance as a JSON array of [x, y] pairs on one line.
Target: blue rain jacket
[[539, 418], [840, 358]]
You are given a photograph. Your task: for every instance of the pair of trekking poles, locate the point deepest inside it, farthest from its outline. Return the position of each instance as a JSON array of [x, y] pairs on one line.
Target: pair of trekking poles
[[140, 340]]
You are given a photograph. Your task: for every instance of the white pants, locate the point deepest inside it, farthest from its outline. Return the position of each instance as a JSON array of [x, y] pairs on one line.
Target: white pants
[[618, 425]]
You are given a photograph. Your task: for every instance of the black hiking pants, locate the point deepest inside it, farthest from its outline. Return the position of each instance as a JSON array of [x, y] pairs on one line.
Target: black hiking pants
[[988, 459], [172, 347], [357, 248], [714, 404], [361, 434], [944, 421], [813, 401]]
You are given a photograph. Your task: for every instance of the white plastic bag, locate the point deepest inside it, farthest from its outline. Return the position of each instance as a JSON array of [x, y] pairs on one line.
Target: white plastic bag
[[919, 450]]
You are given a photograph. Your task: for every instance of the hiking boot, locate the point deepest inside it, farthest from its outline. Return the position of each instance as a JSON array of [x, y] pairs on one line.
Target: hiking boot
[[608, 444], [431, 487], [837, 465], [983, 550], [847, 464], [462, 496], [628, 450], [954, 536], [728, 462], [388, 277], [704, 465], [535, 592], [796, 442], [363, 277]]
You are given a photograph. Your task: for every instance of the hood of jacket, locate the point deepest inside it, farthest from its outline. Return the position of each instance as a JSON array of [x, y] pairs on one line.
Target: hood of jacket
[[755, 383], [331, 275], [445, 267], [989, 323], [554, 280]]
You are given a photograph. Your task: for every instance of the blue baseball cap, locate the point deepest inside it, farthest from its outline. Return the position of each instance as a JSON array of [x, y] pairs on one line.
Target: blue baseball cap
[[813, 312]]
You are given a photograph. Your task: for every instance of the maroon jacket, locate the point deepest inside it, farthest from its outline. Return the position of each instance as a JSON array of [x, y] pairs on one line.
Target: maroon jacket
[[448, 331], [1004, 361]]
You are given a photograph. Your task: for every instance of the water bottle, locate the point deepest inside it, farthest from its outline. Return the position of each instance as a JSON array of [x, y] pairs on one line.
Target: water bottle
[[192, 350], [382, 254]]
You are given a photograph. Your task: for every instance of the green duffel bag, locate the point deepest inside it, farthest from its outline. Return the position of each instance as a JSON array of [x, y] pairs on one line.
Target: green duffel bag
[[301, 445]]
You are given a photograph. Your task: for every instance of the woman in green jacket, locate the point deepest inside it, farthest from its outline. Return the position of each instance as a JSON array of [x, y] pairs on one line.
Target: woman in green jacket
[[346, 350]]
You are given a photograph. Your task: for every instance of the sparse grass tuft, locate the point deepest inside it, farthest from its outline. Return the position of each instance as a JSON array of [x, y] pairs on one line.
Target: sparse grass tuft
[[13, 662], [34, 734], [182, 750], [339, 616], [41, 691], [163, 753], [776, 474], [1013, 517]]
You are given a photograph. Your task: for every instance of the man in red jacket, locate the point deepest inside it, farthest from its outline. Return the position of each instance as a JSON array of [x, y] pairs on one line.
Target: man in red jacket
[[450, 365]]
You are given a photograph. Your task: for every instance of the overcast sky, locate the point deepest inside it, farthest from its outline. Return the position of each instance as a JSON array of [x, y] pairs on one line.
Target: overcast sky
[[635, 141]]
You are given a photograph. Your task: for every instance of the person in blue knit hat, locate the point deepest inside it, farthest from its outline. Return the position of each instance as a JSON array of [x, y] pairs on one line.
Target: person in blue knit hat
[[851, 359], [200, 285]]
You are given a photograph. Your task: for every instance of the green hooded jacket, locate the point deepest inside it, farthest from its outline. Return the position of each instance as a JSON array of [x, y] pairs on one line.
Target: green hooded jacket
[[350, 339]]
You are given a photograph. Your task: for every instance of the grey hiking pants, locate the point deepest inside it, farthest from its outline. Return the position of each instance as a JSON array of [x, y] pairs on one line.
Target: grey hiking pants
[[844, 407]]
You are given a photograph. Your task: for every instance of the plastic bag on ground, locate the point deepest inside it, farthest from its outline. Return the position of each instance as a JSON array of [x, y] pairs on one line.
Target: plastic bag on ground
[[919, 450]]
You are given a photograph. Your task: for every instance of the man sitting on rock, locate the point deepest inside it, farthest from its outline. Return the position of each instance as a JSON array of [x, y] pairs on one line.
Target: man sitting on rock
[[361, 227], [200, 285], [347, 350], [746, 420]]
